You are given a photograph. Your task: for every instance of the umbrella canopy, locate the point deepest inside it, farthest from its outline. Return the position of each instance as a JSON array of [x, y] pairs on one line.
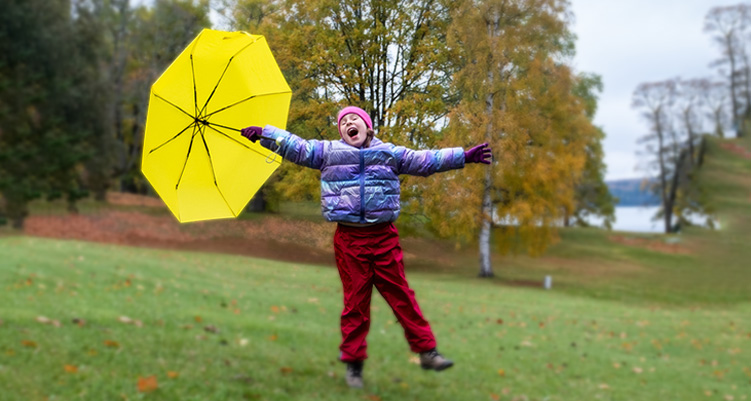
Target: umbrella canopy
[[193, 153]]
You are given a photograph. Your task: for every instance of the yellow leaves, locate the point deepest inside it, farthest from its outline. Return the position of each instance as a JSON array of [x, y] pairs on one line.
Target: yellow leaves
[[111, 344], [198, 319], [273, 337], [70, 369], [285, 370], [501, 373], [172, 374], [29, 344], [147, 384], [373, 397], [275, 309]]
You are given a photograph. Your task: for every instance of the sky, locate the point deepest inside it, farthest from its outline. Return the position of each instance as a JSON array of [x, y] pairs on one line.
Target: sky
[[636, 41]]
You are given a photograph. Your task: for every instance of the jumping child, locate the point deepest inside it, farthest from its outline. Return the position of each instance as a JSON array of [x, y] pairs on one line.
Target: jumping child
[[360, 192]]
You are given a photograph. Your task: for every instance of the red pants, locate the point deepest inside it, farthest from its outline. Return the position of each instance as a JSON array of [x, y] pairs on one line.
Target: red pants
[[368, 256]]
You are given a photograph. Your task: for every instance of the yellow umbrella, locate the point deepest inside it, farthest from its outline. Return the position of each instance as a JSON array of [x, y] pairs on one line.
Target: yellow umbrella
[[193, 153]]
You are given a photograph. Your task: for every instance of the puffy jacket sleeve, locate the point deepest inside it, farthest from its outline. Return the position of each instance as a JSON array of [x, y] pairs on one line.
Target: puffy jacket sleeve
[[308, 153], [427, 162]]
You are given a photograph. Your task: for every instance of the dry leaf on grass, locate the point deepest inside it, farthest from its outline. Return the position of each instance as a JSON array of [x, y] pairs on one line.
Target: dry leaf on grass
[[147, 384]]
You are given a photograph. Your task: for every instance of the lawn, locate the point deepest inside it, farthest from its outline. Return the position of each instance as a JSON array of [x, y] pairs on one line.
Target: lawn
[[91, 321], [630, 316]]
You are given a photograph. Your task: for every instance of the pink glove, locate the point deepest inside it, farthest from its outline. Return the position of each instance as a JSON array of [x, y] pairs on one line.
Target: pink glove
[[253, 133], [478, 154]]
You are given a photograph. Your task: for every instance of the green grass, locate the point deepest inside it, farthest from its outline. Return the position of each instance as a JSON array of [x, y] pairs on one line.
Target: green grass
[[278, 334], [623, 322]]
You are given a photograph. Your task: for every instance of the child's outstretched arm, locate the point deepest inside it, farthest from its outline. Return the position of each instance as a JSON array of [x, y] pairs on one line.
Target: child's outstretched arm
[[427, 162], [308, 153]]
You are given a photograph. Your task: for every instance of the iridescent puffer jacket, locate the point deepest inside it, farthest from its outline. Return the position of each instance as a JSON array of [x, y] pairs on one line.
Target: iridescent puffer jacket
[[360, 186]]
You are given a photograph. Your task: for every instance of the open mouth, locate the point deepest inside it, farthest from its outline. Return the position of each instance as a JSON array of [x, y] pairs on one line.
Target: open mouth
[[352, 132]]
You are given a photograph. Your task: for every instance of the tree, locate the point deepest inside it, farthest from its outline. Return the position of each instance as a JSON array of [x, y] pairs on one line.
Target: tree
[[44, 93], [518, 95], [657, 100], [715, 98], [689, 98], [387, 57], [593, 198], [731, 26]]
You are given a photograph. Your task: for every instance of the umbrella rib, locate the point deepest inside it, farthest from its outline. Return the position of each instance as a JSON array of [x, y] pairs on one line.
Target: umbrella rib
[[242, 101], [173, 138], [238, 142], [195, 93], [175, 106], [213, 173], [226, 67], [186, 157]]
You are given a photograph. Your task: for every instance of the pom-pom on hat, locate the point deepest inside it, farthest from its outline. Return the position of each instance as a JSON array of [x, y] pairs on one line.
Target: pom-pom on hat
[[354, 110]]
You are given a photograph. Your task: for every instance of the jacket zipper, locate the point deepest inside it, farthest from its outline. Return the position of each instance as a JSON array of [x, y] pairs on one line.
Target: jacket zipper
[[362, 187]]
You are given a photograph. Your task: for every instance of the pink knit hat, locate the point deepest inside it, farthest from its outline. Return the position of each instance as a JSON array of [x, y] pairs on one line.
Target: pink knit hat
[[355, 110]]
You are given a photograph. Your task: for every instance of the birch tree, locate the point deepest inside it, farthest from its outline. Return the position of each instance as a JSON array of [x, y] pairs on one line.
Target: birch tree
[[518, 95]]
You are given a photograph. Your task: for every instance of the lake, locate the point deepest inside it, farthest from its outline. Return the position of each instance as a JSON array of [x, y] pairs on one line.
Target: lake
[[639, 219]]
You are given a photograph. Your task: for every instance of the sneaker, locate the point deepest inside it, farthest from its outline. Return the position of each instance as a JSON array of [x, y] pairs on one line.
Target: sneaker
[[434, 360], [354, 374]]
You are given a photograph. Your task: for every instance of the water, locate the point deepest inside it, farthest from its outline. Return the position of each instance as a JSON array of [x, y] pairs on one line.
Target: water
[[639, 219]]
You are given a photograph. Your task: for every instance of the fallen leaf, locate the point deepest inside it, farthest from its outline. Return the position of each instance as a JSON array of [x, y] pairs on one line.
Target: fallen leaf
[[373, 397], [275, 309], [125, 319], [495, 397], [414, 360], [80, 322], [638, 370], [285, 370], [501, 373], [198, 319], [603, 386], [43, 320], [211, 329], [71, 368], [29, 343], [172, 374], [111, 344], [147, 384]]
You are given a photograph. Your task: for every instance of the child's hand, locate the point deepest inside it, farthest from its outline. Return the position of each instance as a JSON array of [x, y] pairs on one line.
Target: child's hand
[[478, 154], [253, 133]]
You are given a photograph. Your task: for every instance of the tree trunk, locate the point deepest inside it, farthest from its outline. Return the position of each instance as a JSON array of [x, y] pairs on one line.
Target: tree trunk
[[486, 268], [679, 169]]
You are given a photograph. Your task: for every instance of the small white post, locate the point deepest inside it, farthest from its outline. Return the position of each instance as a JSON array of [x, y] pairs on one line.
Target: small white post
[[548, 282]]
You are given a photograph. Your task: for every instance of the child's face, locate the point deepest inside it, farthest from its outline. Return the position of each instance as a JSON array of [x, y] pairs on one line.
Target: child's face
[[353, 130]]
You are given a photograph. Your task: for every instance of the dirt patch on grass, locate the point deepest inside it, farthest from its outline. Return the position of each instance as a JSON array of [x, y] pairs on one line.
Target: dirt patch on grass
[[736, 149], [271, 237], [656, 245]]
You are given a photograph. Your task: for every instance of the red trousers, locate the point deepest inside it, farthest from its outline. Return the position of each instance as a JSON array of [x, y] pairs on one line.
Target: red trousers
[[371, 256]]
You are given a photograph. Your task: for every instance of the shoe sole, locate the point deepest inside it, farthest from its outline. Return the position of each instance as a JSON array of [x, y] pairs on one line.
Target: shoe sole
[[438, 368]]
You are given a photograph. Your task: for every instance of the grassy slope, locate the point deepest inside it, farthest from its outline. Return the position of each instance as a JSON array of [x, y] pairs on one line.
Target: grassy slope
[[278, 334], [682, 334]]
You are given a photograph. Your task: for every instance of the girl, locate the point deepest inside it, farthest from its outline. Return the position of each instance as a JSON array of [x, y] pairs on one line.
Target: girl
[[360, 192]]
